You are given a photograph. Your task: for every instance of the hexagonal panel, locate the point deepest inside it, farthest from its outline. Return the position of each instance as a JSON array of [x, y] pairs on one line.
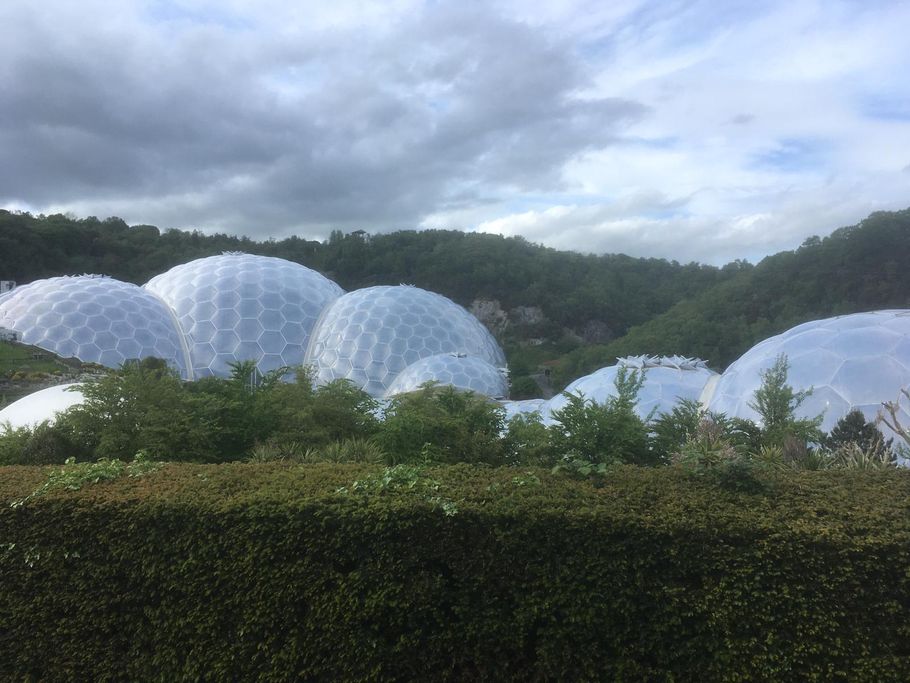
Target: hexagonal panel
[[382, 330], [849, 361], [668, 379], [91, 317], [467, 373], [244, 297]]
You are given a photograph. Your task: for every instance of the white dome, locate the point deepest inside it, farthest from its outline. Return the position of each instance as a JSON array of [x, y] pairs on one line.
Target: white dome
[[370, 335], [95, 319], [42, 405], [850, 361], [468, 373], [237, 307], [668, 380]]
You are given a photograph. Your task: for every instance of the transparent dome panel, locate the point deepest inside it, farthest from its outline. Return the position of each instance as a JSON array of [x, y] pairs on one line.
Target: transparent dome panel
[[86, 317], [850, 361], [238, 307], [371, 335], [668, 380], [468, 373]]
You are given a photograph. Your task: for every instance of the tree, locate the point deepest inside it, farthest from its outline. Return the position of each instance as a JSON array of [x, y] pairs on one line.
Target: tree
[[443, 424], [609, 432], [776, 403]]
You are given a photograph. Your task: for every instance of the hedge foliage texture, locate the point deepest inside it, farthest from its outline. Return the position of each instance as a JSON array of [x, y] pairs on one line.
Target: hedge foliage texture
[[287, 572]]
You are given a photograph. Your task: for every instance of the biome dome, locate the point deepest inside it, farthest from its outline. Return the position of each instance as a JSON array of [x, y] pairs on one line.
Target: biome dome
[[850, 361], [95, 319], [40, 406], [370, 335], [236, 307], [468, 373], [668, 379]]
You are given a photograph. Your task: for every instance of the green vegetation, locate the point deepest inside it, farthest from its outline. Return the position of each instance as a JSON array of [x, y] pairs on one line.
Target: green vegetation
[[571, 312], [21, 361], [145, 408], [858, 268], [441, 541], [363, 572]]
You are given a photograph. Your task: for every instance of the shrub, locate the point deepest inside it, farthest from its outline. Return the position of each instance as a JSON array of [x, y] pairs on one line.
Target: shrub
[[442, 424], [609, 432], [527, 441], [354, 572], [776, 403]]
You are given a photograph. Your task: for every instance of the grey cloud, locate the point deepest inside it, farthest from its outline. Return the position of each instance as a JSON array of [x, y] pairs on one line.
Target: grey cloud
[[235, 130]]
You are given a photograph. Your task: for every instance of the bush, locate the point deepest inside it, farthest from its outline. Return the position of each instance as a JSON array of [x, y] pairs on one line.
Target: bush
[[527, 441], [444, 425], [776, 403], [355, 572], [605, 433]]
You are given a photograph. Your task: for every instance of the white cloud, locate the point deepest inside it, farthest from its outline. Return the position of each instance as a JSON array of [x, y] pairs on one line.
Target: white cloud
[[688, 130]]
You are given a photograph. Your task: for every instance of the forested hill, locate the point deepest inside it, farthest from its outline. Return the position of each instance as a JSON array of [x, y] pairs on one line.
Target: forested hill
[[858, 268], [606, 294], [631, 305]]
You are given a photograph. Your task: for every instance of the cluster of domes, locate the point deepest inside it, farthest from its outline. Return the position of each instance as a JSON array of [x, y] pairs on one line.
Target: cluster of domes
[[205, 315], [845, 362], [372, 335]]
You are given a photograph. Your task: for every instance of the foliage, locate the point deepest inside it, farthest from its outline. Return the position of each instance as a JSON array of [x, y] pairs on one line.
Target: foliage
[[144, 406], [856, 268], [609, 432], [776, 403], [404, 477], [527, 440], [888, 416], [266, 572], [671, 430], [73, 476], [523, 387], [349, 450], [854, 456], [12, 444], [708, 447], [442, 424]]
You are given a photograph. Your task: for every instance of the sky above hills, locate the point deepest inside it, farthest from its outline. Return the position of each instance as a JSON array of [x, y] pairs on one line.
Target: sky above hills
[[687, 130]]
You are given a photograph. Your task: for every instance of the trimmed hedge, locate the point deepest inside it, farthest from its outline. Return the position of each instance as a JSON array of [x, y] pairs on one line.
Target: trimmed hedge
[[270, 573]]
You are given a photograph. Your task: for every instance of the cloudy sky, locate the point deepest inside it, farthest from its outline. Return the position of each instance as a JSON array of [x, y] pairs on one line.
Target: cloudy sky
[[687, 130]]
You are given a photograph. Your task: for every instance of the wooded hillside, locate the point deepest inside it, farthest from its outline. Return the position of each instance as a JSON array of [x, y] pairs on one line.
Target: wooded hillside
[[586, 309]]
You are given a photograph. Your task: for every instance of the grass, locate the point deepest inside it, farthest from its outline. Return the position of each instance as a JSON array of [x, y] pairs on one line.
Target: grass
[[16, 357]]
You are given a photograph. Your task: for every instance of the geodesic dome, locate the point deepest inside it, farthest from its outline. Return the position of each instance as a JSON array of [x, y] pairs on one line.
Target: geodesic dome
[[370, 335], [236, 307], [42, 405], [468, 373], [668, 379], [95, 319], [850, 361]]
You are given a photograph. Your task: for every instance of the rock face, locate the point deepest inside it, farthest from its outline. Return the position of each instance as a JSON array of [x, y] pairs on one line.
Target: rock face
[[527, 315], [490, 313]]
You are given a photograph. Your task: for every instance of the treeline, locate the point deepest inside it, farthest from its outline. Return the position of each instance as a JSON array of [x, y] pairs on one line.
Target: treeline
[[572, 290], [633, 305]]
